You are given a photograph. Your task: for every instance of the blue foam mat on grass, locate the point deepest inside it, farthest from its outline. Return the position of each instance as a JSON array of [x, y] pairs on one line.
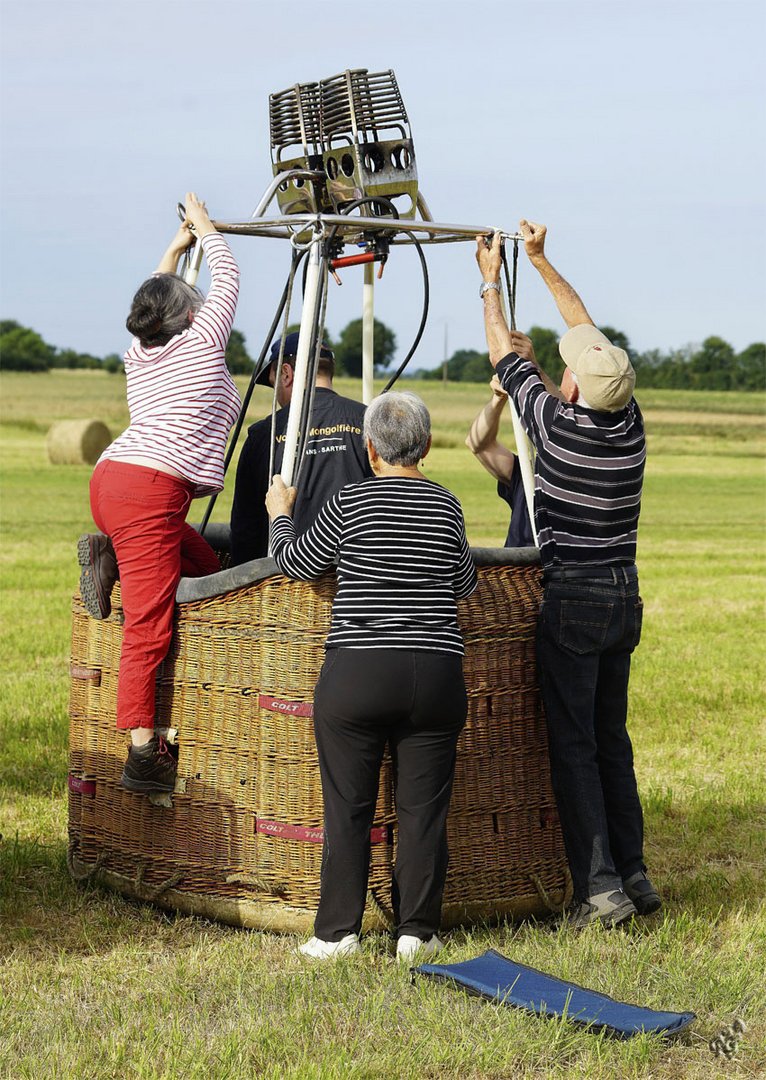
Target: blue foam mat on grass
[[495, 977]]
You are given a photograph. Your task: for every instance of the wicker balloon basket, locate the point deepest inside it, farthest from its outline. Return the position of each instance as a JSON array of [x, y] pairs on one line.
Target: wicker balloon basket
[[241, 842]]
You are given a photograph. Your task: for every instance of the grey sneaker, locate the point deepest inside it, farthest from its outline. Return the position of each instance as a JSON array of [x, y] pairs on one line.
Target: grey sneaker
[[149, 768], [643, 894], [607, 908], [95, 555]]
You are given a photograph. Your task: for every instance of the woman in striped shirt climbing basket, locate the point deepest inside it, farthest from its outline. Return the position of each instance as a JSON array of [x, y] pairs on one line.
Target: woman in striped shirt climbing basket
[[182, 404]]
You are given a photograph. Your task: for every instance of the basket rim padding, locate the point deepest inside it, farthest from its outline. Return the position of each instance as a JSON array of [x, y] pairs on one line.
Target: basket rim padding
[[250, 573]]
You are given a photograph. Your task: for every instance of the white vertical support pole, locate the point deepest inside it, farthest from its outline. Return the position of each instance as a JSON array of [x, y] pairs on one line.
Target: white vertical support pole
[[524, 452], [368, 333], [300, 379], [195, 262]]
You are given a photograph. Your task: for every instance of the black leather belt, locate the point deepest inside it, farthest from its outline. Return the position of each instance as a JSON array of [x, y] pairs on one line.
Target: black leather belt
[[569, 573]]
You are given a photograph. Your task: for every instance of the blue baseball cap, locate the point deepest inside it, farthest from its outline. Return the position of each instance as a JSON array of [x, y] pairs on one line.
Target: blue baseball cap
[[291, 351]]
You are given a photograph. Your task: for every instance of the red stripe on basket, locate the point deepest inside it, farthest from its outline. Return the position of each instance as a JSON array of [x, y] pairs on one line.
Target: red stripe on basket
[[80, 785], [293, 708], [86, 674], [378, 835]]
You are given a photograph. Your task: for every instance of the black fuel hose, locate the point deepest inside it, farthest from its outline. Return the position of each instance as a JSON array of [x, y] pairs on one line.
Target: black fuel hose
[[381, 200]]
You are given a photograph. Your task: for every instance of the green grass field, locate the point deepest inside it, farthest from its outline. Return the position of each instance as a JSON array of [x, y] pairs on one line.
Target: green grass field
[[92, 985]]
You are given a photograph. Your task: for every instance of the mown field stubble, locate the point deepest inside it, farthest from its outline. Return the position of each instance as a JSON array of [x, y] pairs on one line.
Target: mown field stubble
[[92, 985]]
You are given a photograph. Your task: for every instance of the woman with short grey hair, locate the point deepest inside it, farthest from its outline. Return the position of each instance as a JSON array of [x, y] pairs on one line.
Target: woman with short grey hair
[[393, 672], [399, 426]]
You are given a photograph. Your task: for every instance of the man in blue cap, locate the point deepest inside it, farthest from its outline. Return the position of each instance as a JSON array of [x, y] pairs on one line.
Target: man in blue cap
[[334, 456]]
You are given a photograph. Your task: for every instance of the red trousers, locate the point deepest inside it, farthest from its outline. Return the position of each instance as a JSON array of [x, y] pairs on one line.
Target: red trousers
[[144, 511]]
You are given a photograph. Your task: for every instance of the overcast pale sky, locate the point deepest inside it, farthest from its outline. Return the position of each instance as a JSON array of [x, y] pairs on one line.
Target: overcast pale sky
[[634, 130]]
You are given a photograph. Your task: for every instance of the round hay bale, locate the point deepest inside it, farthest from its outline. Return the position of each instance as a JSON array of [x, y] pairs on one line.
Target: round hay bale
[[77, 442]]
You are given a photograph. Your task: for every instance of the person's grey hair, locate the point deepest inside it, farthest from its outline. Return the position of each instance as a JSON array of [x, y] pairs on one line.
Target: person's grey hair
[[160, 309], [399, 426]]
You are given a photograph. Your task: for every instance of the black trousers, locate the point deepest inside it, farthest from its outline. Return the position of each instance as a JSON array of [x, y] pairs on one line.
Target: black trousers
[[586, 633], [415, 702]]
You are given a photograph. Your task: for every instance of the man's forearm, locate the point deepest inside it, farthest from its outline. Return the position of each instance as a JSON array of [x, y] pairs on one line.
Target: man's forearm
[[486, 427], [498, 334], [500, 343], [573, 311]]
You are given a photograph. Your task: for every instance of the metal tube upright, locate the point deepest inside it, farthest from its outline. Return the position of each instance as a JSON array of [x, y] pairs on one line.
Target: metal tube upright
[[524, 452], [302, 360], [368, 333], [194, 264]]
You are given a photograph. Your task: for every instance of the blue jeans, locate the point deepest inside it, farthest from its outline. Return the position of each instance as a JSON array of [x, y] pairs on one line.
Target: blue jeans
[[587, 630]]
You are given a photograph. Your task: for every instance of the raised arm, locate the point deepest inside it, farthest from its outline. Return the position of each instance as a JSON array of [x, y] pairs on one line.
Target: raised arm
[[196, 216], [571, 307], [215, 318], [482, 439], [183, 239], [499, 340]]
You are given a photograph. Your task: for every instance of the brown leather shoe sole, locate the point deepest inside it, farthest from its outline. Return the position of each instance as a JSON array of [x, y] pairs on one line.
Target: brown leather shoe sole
[[96, 601]]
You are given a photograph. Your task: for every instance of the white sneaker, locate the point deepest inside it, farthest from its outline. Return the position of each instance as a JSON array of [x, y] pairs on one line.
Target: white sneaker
[[409, 947], [330, 950]]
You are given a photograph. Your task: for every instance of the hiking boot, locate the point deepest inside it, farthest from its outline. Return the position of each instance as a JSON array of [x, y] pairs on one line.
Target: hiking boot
[[95, 555], [607, 908], [170, 735], [645, 897], [409, 948], [330, 950], [150, 767]]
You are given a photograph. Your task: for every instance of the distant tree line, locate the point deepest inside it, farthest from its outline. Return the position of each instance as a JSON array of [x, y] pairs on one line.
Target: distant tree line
[[713, 365], [23, 349]]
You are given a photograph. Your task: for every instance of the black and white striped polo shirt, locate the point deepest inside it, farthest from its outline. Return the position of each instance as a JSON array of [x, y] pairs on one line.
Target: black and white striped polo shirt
[[402, 562], [589, 471]]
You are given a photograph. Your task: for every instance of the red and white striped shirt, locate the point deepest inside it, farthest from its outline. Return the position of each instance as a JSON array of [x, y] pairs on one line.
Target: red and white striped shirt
[[181, 397]]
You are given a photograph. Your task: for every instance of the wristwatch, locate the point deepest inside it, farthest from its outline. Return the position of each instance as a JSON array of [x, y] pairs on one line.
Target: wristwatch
[[487, 285]]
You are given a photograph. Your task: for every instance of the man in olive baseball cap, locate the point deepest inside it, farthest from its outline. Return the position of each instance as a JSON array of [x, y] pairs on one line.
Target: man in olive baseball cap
[[589, 470]]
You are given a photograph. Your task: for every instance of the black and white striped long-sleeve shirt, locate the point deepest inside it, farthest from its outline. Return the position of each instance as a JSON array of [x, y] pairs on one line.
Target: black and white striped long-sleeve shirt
[[589, 471], [403, 561]]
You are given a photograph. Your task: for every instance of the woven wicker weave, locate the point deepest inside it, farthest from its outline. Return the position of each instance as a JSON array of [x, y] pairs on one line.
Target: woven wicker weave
[[242, 842]]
